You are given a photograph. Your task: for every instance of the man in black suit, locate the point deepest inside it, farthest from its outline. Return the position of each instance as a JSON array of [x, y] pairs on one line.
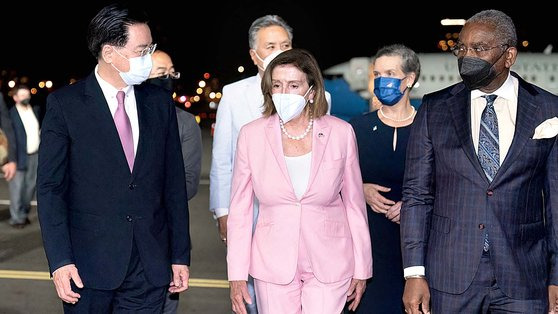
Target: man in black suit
[[111, 187], [9, 168], [479, 221]]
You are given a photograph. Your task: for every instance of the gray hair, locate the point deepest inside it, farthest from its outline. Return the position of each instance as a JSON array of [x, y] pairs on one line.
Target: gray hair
[[267, 21], [409, 59], [505, 29]]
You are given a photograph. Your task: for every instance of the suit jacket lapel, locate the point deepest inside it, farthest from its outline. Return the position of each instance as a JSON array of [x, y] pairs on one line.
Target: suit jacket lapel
[[320, 138], [273, 134], [524, 127], [460, 107], [99, 111], [145, 126]]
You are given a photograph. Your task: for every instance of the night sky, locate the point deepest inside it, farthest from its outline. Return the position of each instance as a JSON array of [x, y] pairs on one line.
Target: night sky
[[41, 42]]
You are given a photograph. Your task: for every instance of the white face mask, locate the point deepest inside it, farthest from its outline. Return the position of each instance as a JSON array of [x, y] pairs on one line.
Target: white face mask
[[140, 67], [267, 60], [289, 106]]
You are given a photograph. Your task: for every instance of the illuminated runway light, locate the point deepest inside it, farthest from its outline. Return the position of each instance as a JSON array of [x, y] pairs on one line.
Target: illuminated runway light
[[48, 84], [218, 95], [199, 91], [212, 95], [11, 83], [206, 76], [212, 105], [201, 84], [240, 69]]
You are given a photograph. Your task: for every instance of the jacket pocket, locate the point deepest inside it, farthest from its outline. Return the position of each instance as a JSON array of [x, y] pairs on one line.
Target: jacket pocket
[[440, 224]]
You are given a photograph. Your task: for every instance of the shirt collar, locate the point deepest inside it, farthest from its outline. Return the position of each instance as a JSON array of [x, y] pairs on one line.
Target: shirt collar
[[107, 88], [506, 91]]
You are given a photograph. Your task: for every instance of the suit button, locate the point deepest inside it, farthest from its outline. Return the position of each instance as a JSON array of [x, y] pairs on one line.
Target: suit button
[[481, 226], [131, 186], [489, 192], [129, 218]]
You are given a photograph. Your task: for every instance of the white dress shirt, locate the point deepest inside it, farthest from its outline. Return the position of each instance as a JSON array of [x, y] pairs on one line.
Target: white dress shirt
[[109, 92], [506, 112], [31, 126]]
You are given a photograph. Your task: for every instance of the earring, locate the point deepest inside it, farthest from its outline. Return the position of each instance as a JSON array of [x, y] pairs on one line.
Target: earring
[[409, 86], [311, 101]]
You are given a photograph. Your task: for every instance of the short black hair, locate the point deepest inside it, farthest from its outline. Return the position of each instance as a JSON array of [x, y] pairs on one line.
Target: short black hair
[[110, 26]]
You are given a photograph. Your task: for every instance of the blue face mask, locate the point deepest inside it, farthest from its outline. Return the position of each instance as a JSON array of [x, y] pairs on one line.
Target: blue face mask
[[387, 89]]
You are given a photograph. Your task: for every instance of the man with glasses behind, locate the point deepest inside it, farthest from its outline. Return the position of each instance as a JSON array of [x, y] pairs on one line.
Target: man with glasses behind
[[164, 75], [479, 220], [111, 188]]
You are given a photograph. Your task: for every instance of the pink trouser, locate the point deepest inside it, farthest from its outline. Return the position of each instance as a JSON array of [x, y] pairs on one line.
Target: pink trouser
[[305, 294]]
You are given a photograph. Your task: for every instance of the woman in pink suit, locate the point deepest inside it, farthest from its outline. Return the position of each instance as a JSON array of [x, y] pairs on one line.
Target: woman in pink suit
[[310, 251]]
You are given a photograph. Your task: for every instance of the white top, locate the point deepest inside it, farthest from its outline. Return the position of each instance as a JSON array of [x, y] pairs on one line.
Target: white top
[[299, 171], [506, 112], [31, 126], [109, 92]]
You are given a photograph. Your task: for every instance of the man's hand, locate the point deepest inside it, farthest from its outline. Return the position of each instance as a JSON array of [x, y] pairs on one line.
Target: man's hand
[[552, 299], [373, 197], [416, 296], [180, 277], [394, 211], [222, 224], [356, 290], [61, 278], [239, 294], [9, 170]]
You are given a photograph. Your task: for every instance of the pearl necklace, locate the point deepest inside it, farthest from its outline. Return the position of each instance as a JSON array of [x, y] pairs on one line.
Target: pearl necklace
[[299, 137], [397, 120]]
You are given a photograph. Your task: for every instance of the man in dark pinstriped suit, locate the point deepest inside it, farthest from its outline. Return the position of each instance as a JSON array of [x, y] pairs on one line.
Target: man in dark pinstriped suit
[[451, 205]]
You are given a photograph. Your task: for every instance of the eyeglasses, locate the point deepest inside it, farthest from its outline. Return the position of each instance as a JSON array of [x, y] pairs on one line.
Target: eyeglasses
[[145, 51], [460, 49], [148, 50], [172, 75]]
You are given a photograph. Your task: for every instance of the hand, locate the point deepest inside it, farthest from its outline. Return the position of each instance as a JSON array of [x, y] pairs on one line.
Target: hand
[[356, 290], [222, 224], [394, 211], [61, 278], [552, 299], [239, 295], [180, 276], [416, 296], [9, 170], [373, 197]]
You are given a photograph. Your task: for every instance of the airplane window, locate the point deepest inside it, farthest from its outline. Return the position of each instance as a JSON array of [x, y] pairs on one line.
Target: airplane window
[[552, 78], [533, 78], [441, 78], [432, 78], [423, 78], [451, 78]]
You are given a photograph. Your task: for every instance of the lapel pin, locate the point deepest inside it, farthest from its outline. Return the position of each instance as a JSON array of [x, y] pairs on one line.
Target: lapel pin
[[375, 128], [320, 134]]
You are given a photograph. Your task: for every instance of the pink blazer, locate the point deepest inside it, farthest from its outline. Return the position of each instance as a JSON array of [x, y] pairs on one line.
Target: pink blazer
[[331, 216]]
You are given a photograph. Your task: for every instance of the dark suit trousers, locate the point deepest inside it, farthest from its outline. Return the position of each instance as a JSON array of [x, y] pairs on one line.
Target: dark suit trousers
[[135, 295], [483, 296]]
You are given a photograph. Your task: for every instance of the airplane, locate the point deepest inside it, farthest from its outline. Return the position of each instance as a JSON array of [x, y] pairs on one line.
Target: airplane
[[439, 70]]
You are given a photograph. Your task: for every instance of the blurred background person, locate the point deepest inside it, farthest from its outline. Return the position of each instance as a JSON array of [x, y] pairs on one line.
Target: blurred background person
[[382, 138], [242, 103], [9, 168], [310, 250], [163, 74], [26, 130]]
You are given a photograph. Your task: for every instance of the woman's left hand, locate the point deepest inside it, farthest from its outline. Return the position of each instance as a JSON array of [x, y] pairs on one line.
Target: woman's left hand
[[356, 290], [394, 211]]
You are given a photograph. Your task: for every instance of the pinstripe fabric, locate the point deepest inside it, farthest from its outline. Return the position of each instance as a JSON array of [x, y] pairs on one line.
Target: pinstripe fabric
[[448, 202]]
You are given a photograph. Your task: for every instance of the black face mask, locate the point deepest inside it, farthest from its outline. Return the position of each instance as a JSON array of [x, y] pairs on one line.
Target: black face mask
[[477, 73], [26, 101], [166, 83]]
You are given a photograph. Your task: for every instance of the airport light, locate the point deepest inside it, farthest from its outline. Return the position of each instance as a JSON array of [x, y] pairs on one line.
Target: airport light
[[41, 84], [206, 76], [240, 69], [452, 22], [212, 95], [201, 84], [48, 84], [218, 95], [34, 91], [525, 43], [11, 84], [199, 91], [212, 105]]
